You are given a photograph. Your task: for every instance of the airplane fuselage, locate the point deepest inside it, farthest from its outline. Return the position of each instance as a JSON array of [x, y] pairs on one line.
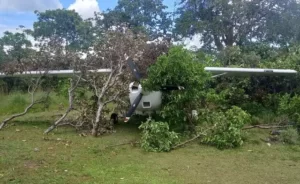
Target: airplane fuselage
[[150, 102]]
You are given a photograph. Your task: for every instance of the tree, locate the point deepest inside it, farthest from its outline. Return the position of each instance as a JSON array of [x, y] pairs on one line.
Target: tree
[[224, 23], [65, 26], [148, 16], [3, 55], [178, 67], [119, 45], [18, 46], [14, 48]]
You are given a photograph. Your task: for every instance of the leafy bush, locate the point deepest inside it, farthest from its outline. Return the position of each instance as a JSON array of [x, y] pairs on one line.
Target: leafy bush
[[289, 136], [290, 106], [227, 128], [157, 137], [179, 68]]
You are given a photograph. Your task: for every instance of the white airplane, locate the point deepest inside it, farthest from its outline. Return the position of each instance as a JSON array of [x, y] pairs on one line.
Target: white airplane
[[146, 102]]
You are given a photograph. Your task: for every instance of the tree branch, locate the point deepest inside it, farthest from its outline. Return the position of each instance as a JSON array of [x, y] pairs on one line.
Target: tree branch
[[194, 138], [71, 99], [265, 127], [33, 102]]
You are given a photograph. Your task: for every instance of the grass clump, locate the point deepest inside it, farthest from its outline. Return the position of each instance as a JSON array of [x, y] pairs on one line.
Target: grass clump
[[290, 136], [13, 103]]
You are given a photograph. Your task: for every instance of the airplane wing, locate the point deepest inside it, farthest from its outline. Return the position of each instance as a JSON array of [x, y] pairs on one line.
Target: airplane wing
[[218, 71], [222, 71], [59, 73]]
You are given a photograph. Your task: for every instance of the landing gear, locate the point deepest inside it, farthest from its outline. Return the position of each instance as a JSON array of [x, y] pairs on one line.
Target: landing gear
[[114, 118]]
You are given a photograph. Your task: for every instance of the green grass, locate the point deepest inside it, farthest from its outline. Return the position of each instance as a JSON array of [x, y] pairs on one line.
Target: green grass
[[75, 159], [26, 156], [17, 102]]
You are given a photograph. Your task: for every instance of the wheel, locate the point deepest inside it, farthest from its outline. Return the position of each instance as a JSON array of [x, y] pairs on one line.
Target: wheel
[[114, 118]]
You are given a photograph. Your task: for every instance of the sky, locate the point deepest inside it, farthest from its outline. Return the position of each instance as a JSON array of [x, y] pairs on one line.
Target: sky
[[14, 13]]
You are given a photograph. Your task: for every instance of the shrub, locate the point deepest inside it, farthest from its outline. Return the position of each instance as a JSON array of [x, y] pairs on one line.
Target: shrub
[[227, 128], [290, 106], [157, 137], [289, 136], [179, 68]]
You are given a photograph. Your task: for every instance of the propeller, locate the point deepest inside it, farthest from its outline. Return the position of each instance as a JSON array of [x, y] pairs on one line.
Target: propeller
[[134, 69], [133, 107], [138, 99]]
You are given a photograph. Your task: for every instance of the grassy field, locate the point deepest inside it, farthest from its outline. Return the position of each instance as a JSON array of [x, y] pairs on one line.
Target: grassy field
[[27, 156]]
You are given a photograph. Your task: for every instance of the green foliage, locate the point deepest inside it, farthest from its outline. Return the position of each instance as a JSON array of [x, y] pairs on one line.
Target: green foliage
[[289, 136], [290, 106], [148, 16], [235, 56], [223, 24], [18, 44], [66, 26], [178, 68], [157, 137], [226, 128], [62, 87]]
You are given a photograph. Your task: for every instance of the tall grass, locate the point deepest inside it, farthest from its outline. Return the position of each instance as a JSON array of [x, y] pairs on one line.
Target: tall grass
[[16, 102]]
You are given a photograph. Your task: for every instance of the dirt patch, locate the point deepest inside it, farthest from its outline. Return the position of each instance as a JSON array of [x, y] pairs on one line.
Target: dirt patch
[[31, 165]]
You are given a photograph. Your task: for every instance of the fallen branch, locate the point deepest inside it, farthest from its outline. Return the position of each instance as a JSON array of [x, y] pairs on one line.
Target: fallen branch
[[188, 141], [193, 139], [265, 127], [122, 144], [33, 102], [71, 99], [72, 124]]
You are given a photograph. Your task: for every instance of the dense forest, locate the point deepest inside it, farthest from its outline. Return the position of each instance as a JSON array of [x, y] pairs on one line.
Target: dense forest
[[236, 33]]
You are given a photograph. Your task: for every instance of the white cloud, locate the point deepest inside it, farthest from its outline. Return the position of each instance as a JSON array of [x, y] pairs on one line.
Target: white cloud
[[193, 43], [29, 5], [85, 8]]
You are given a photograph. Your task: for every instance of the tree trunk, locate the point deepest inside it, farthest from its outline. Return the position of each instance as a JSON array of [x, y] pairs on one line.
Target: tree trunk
[[229, 37], [96, 124], [218, 42], [71, 99]]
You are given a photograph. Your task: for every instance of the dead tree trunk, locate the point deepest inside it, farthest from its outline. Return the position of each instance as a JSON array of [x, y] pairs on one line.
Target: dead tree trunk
[[71, 90], [31, 90]]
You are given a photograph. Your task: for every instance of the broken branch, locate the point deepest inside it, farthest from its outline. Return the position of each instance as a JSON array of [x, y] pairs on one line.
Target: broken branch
[[71, 99], [265, 127], [31, 90]]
